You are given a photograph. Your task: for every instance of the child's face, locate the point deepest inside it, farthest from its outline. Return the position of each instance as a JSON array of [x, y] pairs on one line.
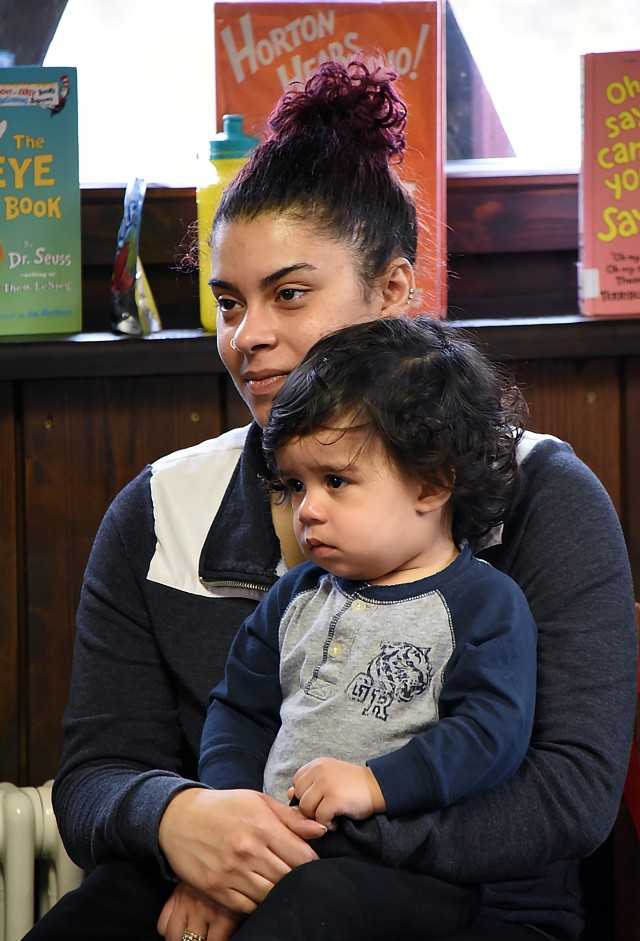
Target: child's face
[[355, 515]]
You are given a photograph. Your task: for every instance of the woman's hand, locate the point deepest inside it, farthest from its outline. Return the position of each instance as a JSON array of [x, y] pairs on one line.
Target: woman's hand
[[188, 910], [234, 846]]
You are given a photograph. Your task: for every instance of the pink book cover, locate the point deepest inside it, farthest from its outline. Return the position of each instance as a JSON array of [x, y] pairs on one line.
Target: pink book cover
[[262, 46], [609, 208]]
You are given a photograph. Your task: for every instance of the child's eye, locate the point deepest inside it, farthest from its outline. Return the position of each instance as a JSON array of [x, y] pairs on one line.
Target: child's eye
[[335, 482], [293, 485]]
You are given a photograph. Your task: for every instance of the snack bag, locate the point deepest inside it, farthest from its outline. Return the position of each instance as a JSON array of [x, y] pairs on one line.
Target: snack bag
[[134, 309]]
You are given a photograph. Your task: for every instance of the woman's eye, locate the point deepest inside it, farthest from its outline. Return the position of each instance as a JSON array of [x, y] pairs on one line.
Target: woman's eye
[[290, 294], [226, 304], [335, 482]]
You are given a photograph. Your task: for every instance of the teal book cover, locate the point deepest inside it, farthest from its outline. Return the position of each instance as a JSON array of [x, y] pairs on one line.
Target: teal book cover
[[40, 239]]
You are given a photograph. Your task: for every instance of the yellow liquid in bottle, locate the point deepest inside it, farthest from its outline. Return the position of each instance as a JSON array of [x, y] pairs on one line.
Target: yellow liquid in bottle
[[221, 172]]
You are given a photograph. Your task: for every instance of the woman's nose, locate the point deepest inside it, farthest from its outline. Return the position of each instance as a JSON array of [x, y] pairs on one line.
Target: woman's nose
[[256, 330]]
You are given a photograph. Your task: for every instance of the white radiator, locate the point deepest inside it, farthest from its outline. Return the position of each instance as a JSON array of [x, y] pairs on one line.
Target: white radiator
[[35, 870]]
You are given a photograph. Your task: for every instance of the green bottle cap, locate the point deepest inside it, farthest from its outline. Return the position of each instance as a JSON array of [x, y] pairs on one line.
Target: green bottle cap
[[232, 142]]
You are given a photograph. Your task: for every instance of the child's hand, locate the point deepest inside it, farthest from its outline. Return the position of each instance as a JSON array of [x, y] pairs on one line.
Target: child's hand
[[187, 911], [326, 788]]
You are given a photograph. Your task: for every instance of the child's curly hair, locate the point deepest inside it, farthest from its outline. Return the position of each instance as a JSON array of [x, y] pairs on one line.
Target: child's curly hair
[[443, 413]]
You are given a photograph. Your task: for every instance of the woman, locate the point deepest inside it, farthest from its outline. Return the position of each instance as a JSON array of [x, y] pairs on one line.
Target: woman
[[316, 233]]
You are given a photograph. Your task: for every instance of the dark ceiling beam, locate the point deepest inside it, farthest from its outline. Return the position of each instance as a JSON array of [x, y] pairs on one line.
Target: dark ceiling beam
[[27, 28]]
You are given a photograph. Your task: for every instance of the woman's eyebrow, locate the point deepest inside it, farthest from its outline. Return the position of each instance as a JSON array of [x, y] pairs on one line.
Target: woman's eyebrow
[[268, 279], [283, 272], [223, 285]]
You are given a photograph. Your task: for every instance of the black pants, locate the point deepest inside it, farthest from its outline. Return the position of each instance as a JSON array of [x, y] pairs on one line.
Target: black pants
[[328, 900], [353, 900], [118, 901]]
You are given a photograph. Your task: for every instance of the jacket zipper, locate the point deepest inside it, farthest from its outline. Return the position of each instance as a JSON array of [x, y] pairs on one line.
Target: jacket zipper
[[222, 583]]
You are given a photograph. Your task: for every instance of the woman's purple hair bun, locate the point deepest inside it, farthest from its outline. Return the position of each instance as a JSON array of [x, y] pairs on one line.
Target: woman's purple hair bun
[[354, 99]]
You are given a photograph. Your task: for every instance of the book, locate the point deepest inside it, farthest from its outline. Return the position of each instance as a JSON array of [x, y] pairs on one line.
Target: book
[[262, 46], [40, 245], [609, 191]]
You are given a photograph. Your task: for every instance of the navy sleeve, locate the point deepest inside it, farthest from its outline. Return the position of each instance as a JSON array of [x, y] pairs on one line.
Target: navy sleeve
[[146, 656], [486, 705], [244, 712], [122, 759]]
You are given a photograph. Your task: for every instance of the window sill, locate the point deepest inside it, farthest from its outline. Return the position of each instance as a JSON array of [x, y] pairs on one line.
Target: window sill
[[194, 352]]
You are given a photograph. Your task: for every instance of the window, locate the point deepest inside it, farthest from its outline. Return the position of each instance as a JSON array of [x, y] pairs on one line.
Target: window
[[145, 86], [146, 95], [528, 53]]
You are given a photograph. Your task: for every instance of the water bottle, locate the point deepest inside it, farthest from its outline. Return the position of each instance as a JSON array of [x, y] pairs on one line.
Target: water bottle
[[228, 152]]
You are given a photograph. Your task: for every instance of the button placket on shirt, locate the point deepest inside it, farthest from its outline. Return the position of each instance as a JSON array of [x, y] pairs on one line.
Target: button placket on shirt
[[336, 651]]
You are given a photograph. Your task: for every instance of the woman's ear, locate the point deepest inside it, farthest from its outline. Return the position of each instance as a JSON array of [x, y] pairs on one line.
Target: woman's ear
[[398, 284]]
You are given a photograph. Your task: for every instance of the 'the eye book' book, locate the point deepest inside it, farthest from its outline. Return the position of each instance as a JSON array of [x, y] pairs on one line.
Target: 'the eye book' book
[[40, 263]]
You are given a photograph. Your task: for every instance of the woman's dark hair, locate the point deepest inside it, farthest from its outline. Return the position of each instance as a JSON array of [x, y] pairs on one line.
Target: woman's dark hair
[[329, 159], [443, 413]]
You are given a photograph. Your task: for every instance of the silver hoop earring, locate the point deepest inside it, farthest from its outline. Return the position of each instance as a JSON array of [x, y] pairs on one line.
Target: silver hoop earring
[[232, 344]]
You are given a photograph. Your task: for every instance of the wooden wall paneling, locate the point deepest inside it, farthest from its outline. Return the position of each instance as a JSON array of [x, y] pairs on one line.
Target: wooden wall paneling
[[10, 577], [631, 465], [626, 846], [167, 217], [580, 401], [166, 238], [512, 243], [84, 440], [492, 212], [626, 881], [500, 285], [175, 293]]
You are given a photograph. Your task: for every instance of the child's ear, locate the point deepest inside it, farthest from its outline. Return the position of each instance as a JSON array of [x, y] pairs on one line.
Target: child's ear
[[432, 497]]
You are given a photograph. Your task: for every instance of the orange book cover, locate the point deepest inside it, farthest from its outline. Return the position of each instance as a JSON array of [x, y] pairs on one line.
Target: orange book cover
[[609, 210], [261, 46]]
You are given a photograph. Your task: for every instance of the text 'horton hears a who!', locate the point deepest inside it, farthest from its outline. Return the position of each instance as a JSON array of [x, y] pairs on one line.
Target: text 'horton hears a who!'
[[40, 260]]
